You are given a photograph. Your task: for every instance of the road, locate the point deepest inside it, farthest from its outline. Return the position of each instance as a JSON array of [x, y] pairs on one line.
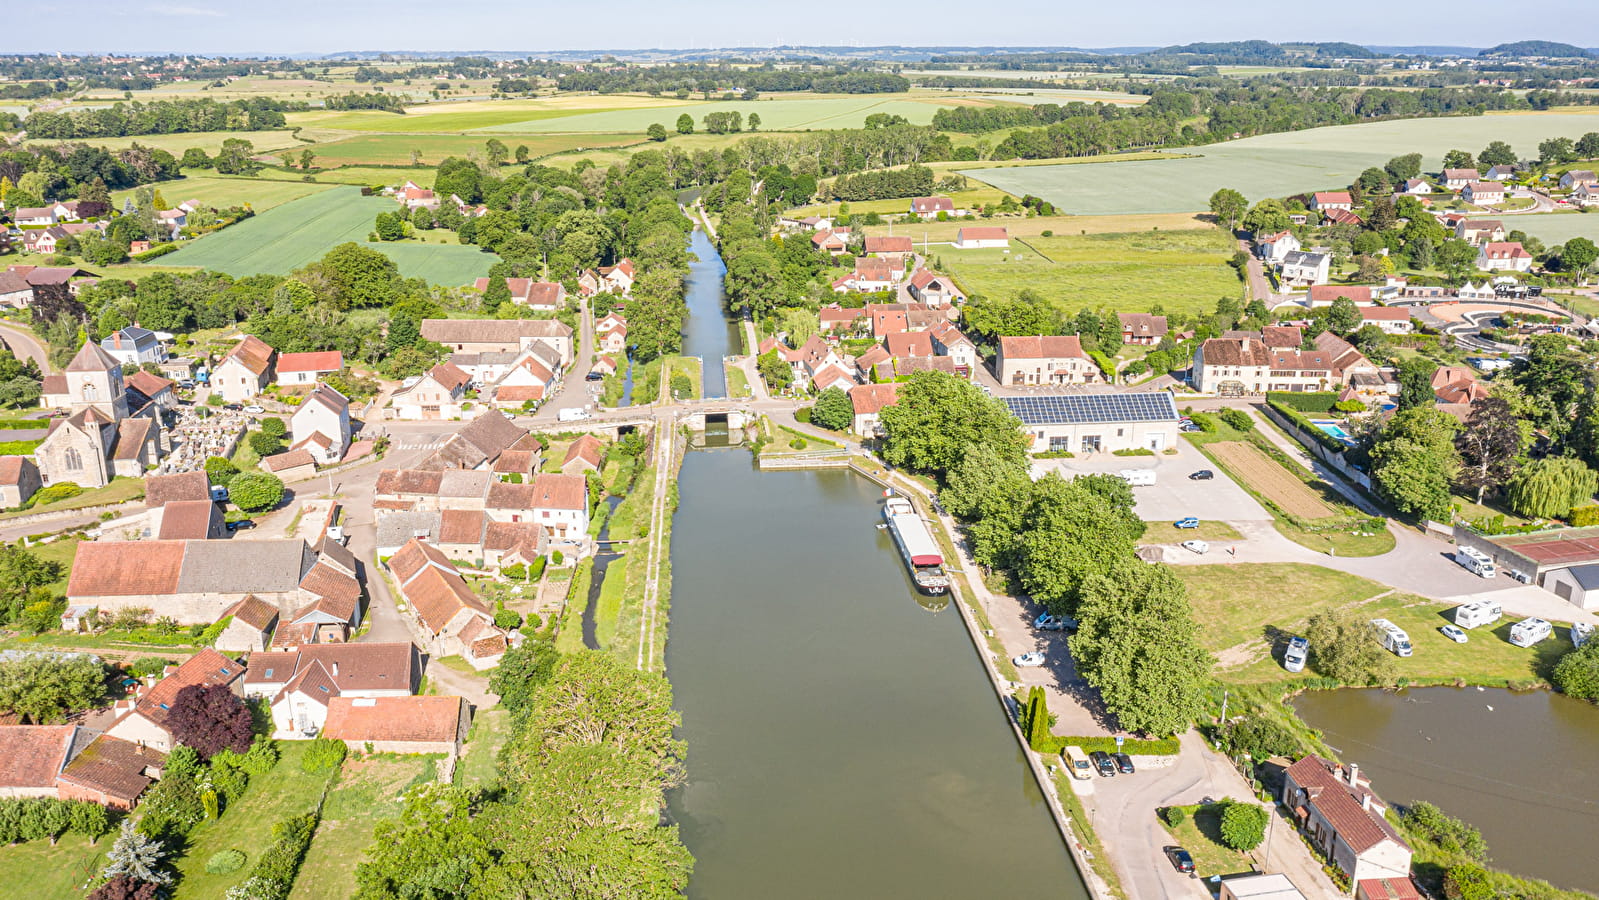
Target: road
[[25, 346]]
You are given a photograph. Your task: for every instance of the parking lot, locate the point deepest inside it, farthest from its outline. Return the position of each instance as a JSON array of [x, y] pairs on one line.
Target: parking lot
[[1173, 495]]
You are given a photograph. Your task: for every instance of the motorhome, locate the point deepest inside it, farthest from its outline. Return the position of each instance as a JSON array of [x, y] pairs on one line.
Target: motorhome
[[1476, 562], [1077, 762], [1294, 657], [1392, 636], [1138, 477], [1482, 612], [1530, 631], [1580, 633], [573, 414]]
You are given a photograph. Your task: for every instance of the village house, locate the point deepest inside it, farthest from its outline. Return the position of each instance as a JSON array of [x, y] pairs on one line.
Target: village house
[[871, 274], [1045, 359], [439, 394], [34, 216], [1323, 201], [1343, 818], [868, 401], [982, 237], [613, 340], [949, 341], [1343, 217], [926, 208], [451, 619], [832, 241], [886, 246], [405, 725], [1586, 195], [133, 345], [321, 425], [832, 376], [1300, 267], [1391, 319], [143, 720], [290, 465], [299, 683], [71, 762], [251, 623], [245, 371], [1507, 256], [500, 335], [306, 369], [1500, 173], [1142, 328], [834, 318], [15, 291], [1097, 423], [586, 454], [480, 443], [617, 279], [1244, 363], [546, 296], [411, 195], [45, 240], [888, 318], [933, 290], [1416, 187], [1273, 247], [1478, 231], [1457, 179], [1577, 178], [1327, 294], [19, 479], [1483, 193]]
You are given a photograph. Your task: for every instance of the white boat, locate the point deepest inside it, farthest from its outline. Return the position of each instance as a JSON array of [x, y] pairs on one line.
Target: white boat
[[916, 546]]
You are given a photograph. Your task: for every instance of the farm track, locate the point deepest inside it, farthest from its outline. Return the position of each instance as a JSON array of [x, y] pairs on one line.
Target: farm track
[[1271, 480]]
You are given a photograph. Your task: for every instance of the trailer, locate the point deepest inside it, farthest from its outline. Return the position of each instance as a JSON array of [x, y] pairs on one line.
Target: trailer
[[1138, 477], [1392, 637], [1482, 612], [1476, 562], [1528, 632]]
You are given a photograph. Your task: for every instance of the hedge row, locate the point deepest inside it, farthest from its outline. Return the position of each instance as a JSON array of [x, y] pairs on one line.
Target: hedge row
[[158, 250], [1132, 746], [1309, 427], [23, 424], [272, 877], [1319, 402]]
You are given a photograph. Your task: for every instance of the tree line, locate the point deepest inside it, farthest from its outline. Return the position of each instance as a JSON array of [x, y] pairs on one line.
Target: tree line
[[160, 117], [708, 79]]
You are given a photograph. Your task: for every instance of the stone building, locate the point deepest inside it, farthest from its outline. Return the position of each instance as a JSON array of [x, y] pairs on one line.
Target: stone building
[[105, 436]]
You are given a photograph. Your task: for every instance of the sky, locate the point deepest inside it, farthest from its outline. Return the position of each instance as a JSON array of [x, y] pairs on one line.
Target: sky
[[324, 26]]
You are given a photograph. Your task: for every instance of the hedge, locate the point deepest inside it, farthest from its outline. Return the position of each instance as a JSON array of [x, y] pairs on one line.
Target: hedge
[[272, 876], [1318, 402], [1308, 427], [18, 448], [23, 424], [1132, 746], [153, 252]]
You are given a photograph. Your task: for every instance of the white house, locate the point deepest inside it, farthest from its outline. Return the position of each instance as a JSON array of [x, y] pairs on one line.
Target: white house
[[1323, 201], [1500, 173], [981, 237], [437, 395], [1586, 195], [245, 371], [1456, 179], [1337, 810], [133, 345], [1483, 193], [1416, 186], [1058, 359], [298, 683], [304, 369], [321, 426], [1577, 178], [1097, 423], [949, 341], [1391, 319], [868, 401], [925, 208], [1300, 267], [1507, 256], [1273, 247]]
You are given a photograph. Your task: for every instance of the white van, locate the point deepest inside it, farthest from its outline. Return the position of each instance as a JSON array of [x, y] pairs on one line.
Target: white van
[[1077, 762], [1530, 631], [573, 414], [1392, 636], [1138, 477], [1482, 612], [1476, 562]]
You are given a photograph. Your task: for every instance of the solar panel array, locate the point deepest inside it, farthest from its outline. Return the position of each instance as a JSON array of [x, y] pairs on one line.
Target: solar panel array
[[1093, 409]]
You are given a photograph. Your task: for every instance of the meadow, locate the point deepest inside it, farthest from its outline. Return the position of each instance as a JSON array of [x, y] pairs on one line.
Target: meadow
[[395, 149], [209, 141], [1557, 228], [1275, 165], [1181, 271], [811, 112], [289, 236], [222, 192], [1028, 227]]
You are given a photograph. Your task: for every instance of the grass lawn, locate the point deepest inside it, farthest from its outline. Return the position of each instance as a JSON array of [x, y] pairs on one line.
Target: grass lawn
[[569, 639], [118, 491], [54, 873], [222, 191], [1200, 835], [1031, 227], [1166, 533], [690, 367], [479, 765], [367, 792], [1181, 271], [738, 384], [296, 233], [247, 825], [1273, 165], [1248, 611]]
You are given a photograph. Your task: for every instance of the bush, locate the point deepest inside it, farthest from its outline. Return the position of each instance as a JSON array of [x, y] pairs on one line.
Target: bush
[[225, 862], [798, 443], [1308, 428], [323, 754], [1263, 738], [55, 493], [265, 444], [1133, 451], [272, 876], [1243, 825], [508, 619], [1130, 746], [1583, 516], [255, 491], [1450, 834], [1173, 816], [803, 414], [1236, 419], [1316, 402], [1577, 673], [220, 470]]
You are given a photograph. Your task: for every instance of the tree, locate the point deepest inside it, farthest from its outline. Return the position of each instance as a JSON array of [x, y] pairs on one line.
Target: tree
[[1343, 316], [656, 132], [1489, 445], [390, 226], [1497, 153], [137, 856], [1267, 217], [1413, 462], [255, 491], [522, 670], [1415, 383], [1459, 159], [220, 470], [1549, 488], [685, 124], [1403, 168], [1556, 150], [1577, 673], [990, 493], [209, 718], [1243, 825], [1588, 145], [24, 579], [434, 849], [755, 121], [833, 410], [1344, 646], [1138, 644], [1456, 257], [1469, 881], [264, 445], [307, 157], [1577, 254], [45, 689], [938, 417], [237, 157], [195, 158], [1228, 206], [774, 371], [496, 150]]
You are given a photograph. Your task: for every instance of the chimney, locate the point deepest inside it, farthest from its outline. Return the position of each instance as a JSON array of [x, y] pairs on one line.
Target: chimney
[[1244, 343], [1354, 774], [1365, 801], [335, 669], [116, 340]]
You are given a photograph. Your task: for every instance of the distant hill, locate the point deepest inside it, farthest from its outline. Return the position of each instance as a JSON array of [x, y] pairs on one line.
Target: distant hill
[[1262, 53], [1539, 48], [1429, 50]]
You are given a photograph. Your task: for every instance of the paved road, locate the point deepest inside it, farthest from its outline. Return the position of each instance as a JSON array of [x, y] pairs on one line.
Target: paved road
[[26, 346]]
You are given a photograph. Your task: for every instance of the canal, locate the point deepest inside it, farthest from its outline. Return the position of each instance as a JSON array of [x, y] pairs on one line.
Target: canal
[[1523, 767], [843, 740]]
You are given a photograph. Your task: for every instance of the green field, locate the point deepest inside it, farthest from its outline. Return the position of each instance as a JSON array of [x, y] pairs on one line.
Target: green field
[[1556, 228], [223, 192], [1183, 271], [1276, 165], [289, 236], [776, 115], [209, 141], [395, 149], [441, 123]]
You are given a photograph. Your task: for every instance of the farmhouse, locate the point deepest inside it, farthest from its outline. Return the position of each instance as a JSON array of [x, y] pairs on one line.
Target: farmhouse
[[980, 237], [245, 371], [321, 425], [832, 241], [1456, 179], [299, 683], [868, 401], [500, 335], [1044, 360], [451, 618], [1322, 201], [1416, 187], [871, 274], [933, 290], [1247, 364], [925, 208], [1097, 423], [1504, 256], [1142, 328], [1303, 268], [399, 724], [439, 394], [143, 720], [1337, 810], [70, 762], [547, 296], [1273, 247], [1483, 193], [897, 246], [1478, 231], [586, 454], [306, 369]]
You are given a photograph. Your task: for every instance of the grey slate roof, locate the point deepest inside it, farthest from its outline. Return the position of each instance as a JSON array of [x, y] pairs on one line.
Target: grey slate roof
[[396, 529], [236, 567]]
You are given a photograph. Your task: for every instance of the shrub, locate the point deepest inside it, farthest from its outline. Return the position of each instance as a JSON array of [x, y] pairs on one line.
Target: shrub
[[1468, 881], [1577, 673], [220, 470], [1236, 419], [225, 862], [1315, 402], [1583, 516], [272, 876], [1243, 825], [508, 619], [1263, 738], [260, 758], [265, 444], [1133, 451], [1450, 834], [255, 491], [1307, 427], [1132, 746], [803, 414], [55, 493], [1173, 816], [798, 443], [556, 558], [323, 754]]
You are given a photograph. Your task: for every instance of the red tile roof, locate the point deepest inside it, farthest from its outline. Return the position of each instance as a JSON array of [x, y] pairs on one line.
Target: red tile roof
[[409, 481], [560, 492], [870, 398], [909, 343], [460, 526], [254, 612], [588, 449], [114, 767], [125, 568], [1336, 800], [1322, 198], [321, 361], [1385, 313], [32, 755], [148, 384], [385, 719], [983, 233], [207, 667], [1326, 293], [187, 520], [11, 469], [1387, 889], [932, 205], [253, 353], [160, 490], [887, 244], [292, 459], [1042, 347], [1505, 250]]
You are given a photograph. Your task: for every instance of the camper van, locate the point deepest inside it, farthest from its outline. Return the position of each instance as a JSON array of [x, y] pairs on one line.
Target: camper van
[[1077, 761], [1475, 561], [1483, 612], [1138, 477], [1392, 636], [1580, 633], [573, 414], [1294, 657], [1530, 631]]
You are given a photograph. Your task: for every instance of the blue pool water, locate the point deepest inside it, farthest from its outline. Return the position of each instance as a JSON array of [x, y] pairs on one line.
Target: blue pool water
[[1334, 429]]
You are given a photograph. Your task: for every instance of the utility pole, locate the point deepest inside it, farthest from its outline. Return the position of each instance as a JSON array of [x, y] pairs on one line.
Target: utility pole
[[1224, 695]]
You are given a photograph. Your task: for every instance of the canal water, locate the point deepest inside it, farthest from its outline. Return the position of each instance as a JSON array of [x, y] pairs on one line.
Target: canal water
[[709, 334], [1523, 767]]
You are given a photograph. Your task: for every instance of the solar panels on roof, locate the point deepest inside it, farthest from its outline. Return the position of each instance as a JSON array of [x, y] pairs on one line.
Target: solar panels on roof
[[1093, 409]]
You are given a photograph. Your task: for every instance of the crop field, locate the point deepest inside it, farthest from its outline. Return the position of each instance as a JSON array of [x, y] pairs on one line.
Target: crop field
[[1556, 228], [776, 114], [289, 236], [395, 149], [223, 192], [1028, 227], [1181, 271], [1276, 165], [209, 141], [1270, 480]]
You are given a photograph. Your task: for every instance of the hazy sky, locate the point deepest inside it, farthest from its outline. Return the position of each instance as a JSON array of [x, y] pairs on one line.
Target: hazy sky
[[296, 26]]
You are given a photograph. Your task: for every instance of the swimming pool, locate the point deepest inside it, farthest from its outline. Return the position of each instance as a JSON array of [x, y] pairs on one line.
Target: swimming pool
[[1334, 429]]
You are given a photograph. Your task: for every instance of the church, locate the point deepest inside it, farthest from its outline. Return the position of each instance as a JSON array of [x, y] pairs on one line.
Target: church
[[113, 430]]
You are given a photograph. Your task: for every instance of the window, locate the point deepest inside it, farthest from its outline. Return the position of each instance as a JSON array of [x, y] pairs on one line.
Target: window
[[1057, 444], [73, 459]]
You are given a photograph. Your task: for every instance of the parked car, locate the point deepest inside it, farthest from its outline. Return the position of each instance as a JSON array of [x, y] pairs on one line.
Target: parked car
[[1202, 475], [1029, 660], [1047, 622], [1124, 763], [1454, 633], [254, 410], [240, 525], [232, 406], [594, 376], [1189, 522], [1103, 764], [1296, 654], [1181, 859], [1199, 547]]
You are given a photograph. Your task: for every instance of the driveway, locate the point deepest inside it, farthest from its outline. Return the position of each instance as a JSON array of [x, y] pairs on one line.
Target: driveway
[[1173, 495]]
